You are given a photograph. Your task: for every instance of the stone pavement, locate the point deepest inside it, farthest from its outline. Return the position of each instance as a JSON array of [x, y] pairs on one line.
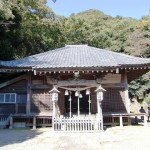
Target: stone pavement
[[116, 138]]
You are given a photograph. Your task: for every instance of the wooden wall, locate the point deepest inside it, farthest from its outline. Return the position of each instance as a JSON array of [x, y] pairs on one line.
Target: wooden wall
[[20, 88], [61, 102], [93, 101], [114, 100], [40, 100]]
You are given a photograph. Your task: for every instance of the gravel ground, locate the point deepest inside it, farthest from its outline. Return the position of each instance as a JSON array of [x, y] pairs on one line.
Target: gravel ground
[[115, 138]]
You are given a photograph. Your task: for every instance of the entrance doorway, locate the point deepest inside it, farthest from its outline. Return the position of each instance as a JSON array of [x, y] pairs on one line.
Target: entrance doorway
[[83, 103]]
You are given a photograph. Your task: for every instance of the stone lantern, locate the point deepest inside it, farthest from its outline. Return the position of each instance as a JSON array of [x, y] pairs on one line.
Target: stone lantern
[[99, 92], [54, 92]]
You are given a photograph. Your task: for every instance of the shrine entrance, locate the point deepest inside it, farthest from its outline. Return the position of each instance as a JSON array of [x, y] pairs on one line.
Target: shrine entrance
[[77, 116], [83, 103]]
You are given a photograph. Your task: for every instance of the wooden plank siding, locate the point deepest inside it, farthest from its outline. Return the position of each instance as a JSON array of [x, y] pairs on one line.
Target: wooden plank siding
[[41, 101], [93, 101], [114, 100], [20, 106], [14, 80], [61, 102], [17, 87], [6, 109], [28, 94], [29, 98]]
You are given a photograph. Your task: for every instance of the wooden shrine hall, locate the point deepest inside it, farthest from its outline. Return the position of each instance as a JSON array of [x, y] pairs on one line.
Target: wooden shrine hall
[[73, 88]]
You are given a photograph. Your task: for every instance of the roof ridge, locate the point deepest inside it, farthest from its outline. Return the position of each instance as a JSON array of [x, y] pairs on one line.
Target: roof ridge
[[80, 45]]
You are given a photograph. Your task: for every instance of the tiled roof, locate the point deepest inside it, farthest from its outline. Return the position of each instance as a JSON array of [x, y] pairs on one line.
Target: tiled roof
[[77, 56]]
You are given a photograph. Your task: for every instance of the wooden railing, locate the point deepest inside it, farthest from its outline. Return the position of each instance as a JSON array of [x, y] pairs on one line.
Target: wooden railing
[[77, 124], [30, 120], [122, 119], [4, 121]]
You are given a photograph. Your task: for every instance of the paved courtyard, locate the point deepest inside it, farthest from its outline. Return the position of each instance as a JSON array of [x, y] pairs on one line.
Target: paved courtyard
[[116, 138]]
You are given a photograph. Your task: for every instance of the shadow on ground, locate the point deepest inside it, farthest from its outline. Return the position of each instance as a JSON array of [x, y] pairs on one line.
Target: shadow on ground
[[15, 136]]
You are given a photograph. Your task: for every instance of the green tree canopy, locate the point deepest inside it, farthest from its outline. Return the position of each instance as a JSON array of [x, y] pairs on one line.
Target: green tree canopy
[[29, 27]]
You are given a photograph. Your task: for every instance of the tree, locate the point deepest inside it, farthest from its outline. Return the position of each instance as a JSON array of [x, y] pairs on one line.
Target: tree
[[138, 44], [140, 87], [28, 35], [29, 27]]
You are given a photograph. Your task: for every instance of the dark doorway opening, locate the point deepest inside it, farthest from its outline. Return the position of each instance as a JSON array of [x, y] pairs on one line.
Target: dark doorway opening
[[84, 104]]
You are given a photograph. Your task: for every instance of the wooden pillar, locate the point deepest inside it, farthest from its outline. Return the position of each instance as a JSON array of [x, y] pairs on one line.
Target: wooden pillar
[[121, 121], [54, 115], [93, 101], [78, 106], [54, 109], [89, 105], [34, 122], [44, 122], [11, 122], [70, 104], [16, 108], [136, 120], [28, 94], [98, 108], [145, 121], [61, 102], [113, 121], [101, 115], [129, 120], [127, 100]]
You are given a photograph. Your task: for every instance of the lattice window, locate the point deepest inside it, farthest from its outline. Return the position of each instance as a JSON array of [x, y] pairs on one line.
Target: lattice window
[[7, 97]]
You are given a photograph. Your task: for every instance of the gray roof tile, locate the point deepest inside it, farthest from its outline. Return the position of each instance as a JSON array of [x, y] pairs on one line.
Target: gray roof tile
[[72, 56]]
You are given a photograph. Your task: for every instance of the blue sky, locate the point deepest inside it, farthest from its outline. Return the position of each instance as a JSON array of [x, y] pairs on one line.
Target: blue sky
[[125, 8]]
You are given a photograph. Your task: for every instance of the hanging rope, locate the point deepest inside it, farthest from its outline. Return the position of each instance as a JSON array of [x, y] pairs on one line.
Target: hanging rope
[[76, 88]]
